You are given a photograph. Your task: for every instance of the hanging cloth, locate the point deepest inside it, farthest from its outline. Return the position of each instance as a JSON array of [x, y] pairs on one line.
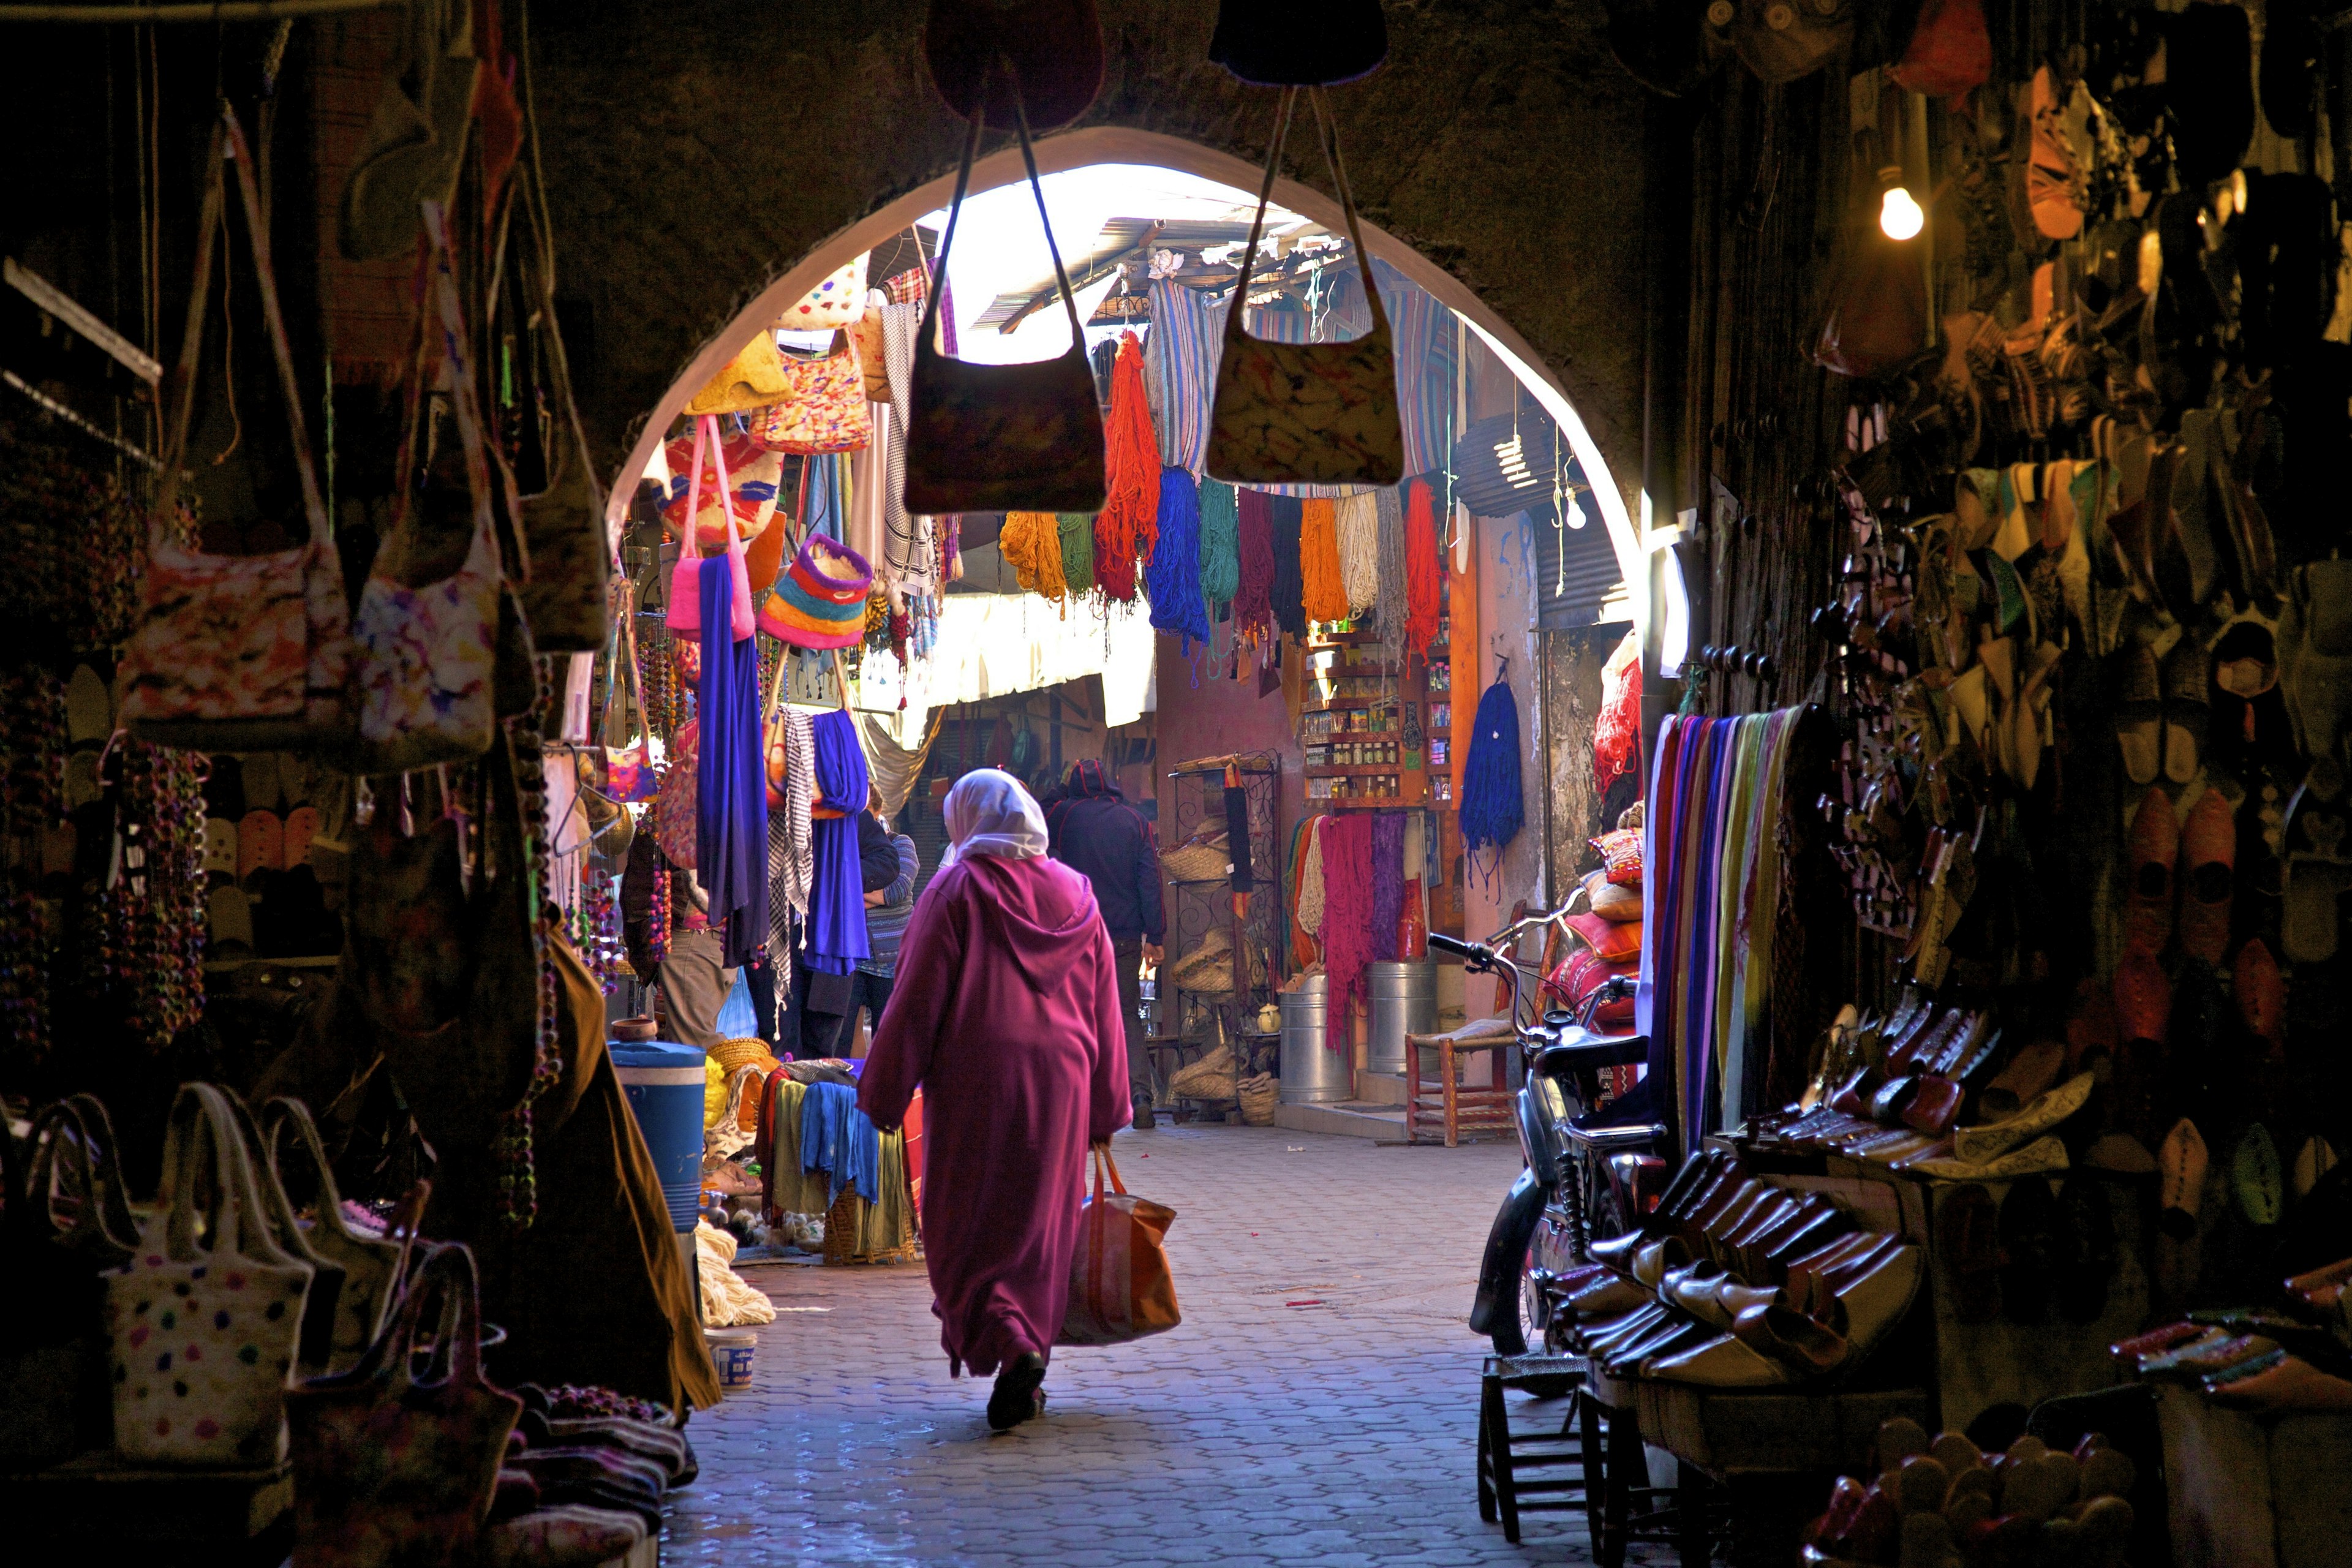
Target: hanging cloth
[[822, 481], [1173, 578], [1492, 809], [1077, 530], [1427, 365], [1221, 556], [1617, 731], [1031, 541], [1387, 881], [1357, 522], [835, 937], [1307, 891], [1390, 614], [1423, 590], [1127, 526], [730, 784], [907, 538], [1179, 367], [1255, 565], [1289, 586], [1348, 942], [1322, 589]]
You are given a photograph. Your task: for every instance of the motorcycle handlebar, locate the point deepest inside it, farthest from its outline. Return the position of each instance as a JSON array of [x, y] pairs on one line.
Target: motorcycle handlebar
[[1477, 954]]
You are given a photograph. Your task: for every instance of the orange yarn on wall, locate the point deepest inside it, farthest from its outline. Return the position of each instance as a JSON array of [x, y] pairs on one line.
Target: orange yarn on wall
[[1318, 562], [1129, 525]]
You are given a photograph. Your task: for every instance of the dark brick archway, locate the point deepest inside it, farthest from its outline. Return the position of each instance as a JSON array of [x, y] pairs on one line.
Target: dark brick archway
[[694, 157]]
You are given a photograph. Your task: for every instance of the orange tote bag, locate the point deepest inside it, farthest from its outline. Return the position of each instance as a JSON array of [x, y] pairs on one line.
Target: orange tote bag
[[1119, 1286]]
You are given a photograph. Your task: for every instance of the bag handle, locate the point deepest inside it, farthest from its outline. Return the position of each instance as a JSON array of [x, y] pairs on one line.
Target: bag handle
[[96, 1181], [276, 1116], [924, 337], [454, 341], [1328, 128], [391, 1359], [1103, 1160], [201, 1123], [735, 545], [228, 145]]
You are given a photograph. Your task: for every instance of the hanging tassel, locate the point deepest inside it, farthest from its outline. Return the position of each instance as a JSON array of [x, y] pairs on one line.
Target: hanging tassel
[[1173, 578], [1254, 585], [1356, 519]]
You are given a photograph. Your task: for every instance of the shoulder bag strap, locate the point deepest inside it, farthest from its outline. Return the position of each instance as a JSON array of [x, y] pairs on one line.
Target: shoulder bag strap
[[314, 506], [735, 545], [1257, 225], [178, 390], [1328, 123], [455, 356], [276, 1116]]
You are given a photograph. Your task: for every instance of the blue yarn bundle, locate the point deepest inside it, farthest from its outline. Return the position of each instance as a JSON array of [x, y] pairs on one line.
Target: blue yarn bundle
[[1492, 809], [1173, 577], [1221, 543]]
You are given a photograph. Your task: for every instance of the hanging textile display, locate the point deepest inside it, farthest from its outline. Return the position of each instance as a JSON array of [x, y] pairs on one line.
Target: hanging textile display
[[730, 783], [907, 539], [1617, 729], [1391, 613], [1030, 543], [1356, 519], [1428, 364], [835, 939], [1173, 578], [1126, 527], [824, 481], [1348, 944], [1253, 566], [1387, 881], [1179, 361], [1221, 557], [1423, 590], [1288, 593], [1323, 592], [1306, 892], [1077, 531], [1492, 809]]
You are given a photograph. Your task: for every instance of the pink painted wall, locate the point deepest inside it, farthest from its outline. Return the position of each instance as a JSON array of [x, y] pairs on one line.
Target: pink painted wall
[[1214, 717]]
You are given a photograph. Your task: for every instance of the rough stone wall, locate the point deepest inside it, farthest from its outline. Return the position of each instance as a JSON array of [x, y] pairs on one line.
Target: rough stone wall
[[694, 155]]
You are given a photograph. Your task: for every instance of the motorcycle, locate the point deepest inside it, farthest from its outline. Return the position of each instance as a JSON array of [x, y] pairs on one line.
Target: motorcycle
[[1589, 1170]]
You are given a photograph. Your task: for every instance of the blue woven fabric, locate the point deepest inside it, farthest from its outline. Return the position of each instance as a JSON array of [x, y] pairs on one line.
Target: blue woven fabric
[[841, 1141], [837, 921], [730, 825]]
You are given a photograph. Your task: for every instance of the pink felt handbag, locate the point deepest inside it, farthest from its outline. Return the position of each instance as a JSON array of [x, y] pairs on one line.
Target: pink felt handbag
[[685, 577]]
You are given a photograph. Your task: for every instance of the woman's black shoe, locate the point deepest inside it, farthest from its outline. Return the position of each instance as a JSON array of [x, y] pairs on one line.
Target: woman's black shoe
[[1017, 1397]]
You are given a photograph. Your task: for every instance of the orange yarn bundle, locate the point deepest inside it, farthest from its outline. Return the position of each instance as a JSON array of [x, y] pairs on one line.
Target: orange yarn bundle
[[1318, 562], [1031, 541], [1129, 525], [1420, 572]]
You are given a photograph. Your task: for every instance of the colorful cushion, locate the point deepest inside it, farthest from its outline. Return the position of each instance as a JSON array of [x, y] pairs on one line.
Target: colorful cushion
[[1621, 852], [1615, 943]]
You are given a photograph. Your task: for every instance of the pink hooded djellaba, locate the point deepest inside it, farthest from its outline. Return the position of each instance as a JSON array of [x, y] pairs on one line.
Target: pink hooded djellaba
[[1006, 1014]]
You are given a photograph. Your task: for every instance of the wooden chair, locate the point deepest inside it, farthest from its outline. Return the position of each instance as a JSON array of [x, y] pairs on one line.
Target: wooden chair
[[1444, 1106], [1511, 1469]]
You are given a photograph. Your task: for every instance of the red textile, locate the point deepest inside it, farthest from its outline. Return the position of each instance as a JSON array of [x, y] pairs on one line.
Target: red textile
[[1129, 525], [1349, 941], [1422, 587], [1617, 732], [1950, 52], [1254, 597], [1006, 1014]]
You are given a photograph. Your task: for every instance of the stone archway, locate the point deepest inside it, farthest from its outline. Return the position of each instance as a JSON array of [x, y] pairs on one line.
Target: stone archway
[[1121, 144]]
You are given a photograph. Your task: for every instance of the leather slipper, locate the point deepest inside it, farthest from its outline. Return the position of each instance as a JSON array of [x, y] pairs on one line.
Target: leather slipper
[[2091, 1038], [2317, 840], [2139, 713], [1967, 1238], [260, 844], [1019, 1394], [2050, 173], [2150, 850], [2031, 1071], [2255, 1177], [2187, 678], [2182, 1159], [2261, 993], [2313, 1160], [2292, 1384], [2046, 1112], [2209, 844]]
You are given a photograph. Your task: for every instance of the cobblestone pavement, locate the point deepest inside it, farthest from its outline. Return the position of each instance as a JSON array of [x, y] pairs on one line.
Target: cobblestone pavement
[[1317, 1406]]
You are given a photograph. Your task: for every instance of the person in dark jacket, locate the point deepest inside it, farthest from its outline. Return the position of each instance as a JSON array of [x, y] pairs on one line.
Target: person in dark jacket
[[1095, 831]]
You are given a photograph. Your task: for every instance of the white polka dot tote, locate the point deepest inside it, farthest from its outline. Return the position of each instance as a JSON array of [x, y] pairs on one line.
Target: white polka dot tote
[[836, 302], [202, 1330]]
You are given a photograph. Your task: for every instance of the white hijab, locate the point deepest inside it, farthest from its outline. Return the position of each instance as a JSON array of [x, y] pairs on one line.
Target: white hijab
[[989, 813]]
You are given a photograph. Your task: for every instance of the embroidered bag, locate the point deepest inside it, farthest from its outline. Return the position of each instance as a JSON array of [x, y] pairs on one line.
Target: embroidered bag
[[425, 654], [674, 812], [372, 1266], [626, 774], [685, 577], [204, 1335], [397, 1460], [755, 477], [1001, 438], [826, 409], [566, 590], [1306, 413], [55, 1257], [238, 652], [837, 301]]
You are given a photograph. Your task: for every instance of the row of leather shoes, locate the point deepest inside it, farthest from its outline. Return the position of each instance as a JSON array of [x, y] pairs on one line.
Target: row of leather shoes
[[2245, 1360], [1734, 1282], [1904, 1095]]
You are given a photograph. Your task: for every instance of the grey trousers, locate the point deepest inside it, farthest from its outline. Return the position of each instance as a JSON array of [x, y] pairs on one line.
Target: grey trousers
[[694, 986], [1128, 954]]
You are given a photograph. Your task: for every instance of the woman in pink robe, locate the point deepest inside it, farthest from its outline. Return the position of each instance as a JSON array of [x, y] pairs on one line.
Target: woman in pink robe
[[1006, 1015]]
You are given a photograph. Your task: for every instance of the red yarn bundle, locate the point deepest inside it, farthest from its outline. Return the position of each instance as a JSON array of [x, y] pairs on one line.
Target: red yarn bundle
[[1254, 597], [1129, 525], [1422, 587]]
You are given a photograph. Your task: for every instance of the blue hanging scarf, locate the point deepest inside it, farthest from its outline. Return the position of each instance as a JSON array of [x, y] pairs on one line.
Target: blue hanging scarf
[[1492, 809], [731, 827], [837, 921]]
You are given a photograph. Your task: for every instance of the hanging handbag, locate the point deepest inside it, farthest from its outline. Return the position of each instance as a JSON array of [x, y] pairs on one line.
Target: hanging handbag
[[55, 1256], [674, 813], [1300, 46], [372, 1266], [1877, 317], [872, 356], [204, 1334], [1306, 413], [685, 577], [1001, 438], [752, 379], [396, 1462], [819, 601], [1047, 53], [567, 593], [837, 301], [236, 652], [1119, 1285], [755, 483], [622, 768], [426, 655], [826, 409]]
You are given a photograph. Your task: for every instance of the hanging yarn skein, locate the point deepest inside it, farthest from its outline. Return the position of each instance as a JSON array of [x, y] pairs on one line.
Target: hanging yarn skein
[[1289, 590], [1357, 521], [1391, 614], [1078, 550], [1423, 588], [1221, 554], [1323, 592], [1254, 581], [1127, 526], [1492, 809], [1173, 578], [1032, 543]]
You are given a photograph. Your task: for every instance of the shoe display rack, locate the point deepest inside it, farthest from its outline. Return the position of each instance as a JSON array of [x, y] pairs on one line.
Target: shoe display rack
[[1208, 912]]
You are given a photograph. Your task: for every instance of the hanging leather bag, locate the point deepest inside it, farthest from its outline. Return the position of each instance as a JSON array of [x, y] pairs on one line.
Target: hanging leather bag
[[238, 652], [1306, 413], [1001, 438], [1877, 316], [204, 1332], [1120, 1288], [396, 1461], [55, 1256], [1300, 46], [566, 593], [1043, 57]]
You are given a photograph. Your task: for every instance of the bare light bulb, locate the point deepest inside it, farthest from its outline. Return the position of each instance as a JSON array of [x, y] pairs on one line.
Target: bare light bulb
[[1899, 217]]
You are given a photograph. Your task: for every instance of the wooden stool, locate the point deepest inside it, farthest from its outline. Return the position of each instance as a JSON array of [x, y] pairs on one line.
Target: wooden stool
[[1446, 1106], [1510, 1478]]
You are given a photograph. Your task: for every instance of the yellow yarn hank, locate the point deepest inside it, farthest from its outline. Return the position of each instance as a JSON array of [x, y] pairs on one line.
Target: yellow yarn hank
[[1032, 543]]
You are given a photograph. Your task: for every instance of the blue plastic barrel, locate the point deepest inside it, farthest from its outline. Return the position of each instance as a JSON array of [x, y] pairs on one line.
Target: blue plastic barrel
[[663, 1083]]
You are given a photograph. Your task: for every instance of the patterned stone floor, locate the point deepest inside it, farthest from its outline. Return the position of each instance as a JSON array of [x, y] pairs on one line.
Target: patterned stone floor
[[1317, 1406]]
